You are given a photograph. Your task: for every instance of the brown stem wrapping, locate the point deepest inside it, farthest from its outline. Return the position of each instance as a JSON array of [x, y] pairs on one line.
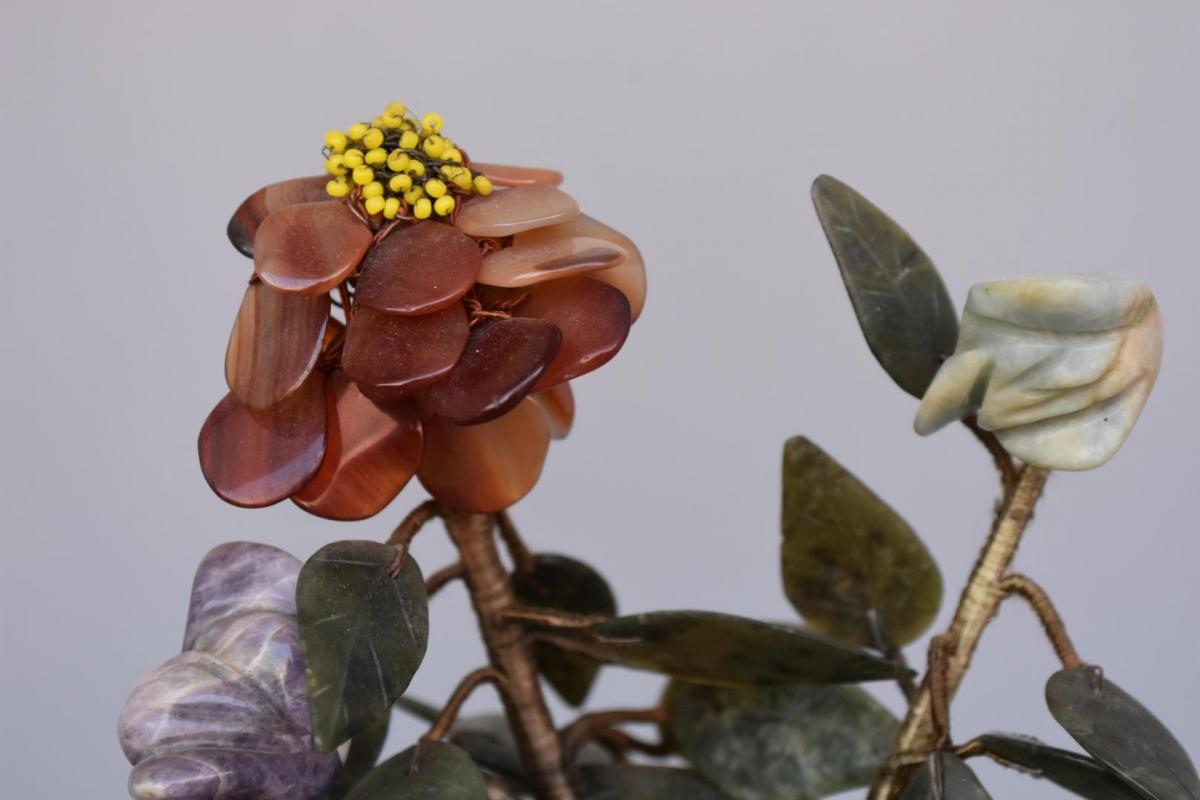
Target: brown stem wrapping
[[591, 726], [470, 683], [1003, 461], [509, 652], [411, 525], [1056, 631], [522, 556], [976, 607], [435, 582]]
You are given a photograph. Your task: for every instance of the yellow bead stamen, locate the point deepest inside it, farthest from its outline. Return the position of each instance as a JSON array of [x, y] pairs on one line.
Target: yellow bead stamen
[[404, 166]]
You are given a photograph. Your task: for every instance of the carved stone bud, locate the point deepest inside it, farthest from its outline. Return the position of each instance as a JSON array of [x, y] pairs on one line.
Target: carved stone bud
[[1059, 368], [228, 717]]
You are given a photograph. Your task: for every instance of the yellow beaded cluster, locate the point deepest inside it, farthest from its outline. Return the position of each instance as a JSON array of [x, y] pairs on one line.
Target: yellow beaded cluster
[[400, 165]]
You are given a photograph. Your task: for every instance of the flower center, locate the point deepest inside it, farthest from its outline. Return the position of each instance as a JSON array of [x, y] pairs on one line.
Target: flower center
[[399, 167]]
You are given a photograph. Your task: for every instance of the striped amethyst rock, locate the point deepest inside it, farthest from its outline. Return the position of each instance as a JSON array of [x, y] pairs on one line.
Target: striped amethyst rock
[[228, 717]]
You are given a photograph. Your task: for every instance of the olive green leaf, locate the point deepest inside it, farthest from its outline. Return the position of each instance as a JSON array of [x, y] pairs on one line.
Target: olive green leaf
[[781, 743], [639, 782], [704, 647], [902, 305], [949, 780], [564, 584], [364, 626], [846, 553], [1076, 773], [364, 752], [1121, 734], [441, 772]]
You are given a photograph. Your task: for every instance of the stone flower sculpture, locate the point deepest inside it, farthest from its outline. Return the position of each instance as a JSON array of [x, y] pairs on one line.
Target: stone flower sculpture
[[229, 716], [1058, 368], [427, 320], [411, 312]]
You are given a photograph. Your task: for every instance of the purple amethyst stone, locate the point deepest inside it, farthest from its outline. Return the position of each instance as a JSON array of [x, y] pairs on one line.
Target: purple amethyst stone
[[228, 717]]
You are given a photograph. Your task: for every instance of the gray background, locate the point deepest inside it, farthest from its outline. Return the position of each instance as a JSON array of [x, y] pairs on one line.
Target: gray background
[[1014, 138]]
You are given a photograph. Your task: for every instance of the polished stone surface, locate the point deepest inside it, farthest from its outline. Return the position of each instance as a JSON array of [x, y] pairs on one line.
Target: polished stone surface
[[310, 248], [275, 343], [511, 211], [559, 404], [397, 354], [629, 277], [418, 269], [513, 175], [371, 452], [229, 716], [502, 361], [594, 319], [257, 458], [243, 225], [903, 307], [1059, 367], [533, 262], [485, 468]]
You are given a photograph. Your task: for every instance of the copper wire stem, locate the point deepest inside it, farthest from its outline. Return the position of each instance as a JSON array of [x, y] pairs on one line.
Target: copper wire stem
[[509, 653]]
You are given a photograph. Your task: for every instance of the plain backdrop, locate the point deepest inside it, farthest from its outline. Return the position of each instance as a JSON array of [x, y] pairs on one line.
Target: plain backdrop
[[1010, 138]]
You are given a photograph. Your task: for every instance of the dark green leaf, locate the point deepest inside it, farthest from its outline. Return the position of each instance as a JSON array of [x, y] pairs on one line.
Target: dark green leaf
[[637, 782], [443, 772], [364, 752], [418, 708], [1122, 734], [949, 780], [703, 647], [781, 743], [364, 625], [1076, 773], [846, 552], [902, 305], [564, 584]]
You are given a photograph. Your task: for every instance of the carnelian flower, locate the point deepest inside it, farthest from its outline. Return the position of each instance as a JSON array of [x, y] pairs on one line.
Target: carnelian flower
[[411, 312]]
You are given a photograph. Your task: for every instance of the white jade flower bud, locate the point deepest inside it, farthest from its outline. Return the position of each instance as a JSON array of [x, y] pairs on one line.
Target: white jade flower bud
[[1059, 368]]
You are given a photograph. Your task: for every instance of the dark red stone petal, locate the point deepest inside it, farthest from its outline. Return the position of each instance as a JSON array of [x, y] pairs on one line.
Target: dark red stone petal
[[485, 468], [593, 317], [513, 175], [559, 404], [257, 458], [310, 248], [243, 225], [275, 344], [502, 361], [399, 354], [418, 269], [372, 451]]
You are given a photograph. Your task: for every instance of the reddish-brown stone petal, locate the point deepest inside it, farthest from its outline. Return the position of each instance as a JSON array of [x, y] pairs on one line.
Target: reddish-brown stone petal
[[513, 175], [372, 451], [594, 320], [398, 354], [275, 344], [257, 458], [418, 269], [629, 277], [485, 468], [310, 248], [502, 361], [511, 211], [243, 225], [559, 404], [528, 263]]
